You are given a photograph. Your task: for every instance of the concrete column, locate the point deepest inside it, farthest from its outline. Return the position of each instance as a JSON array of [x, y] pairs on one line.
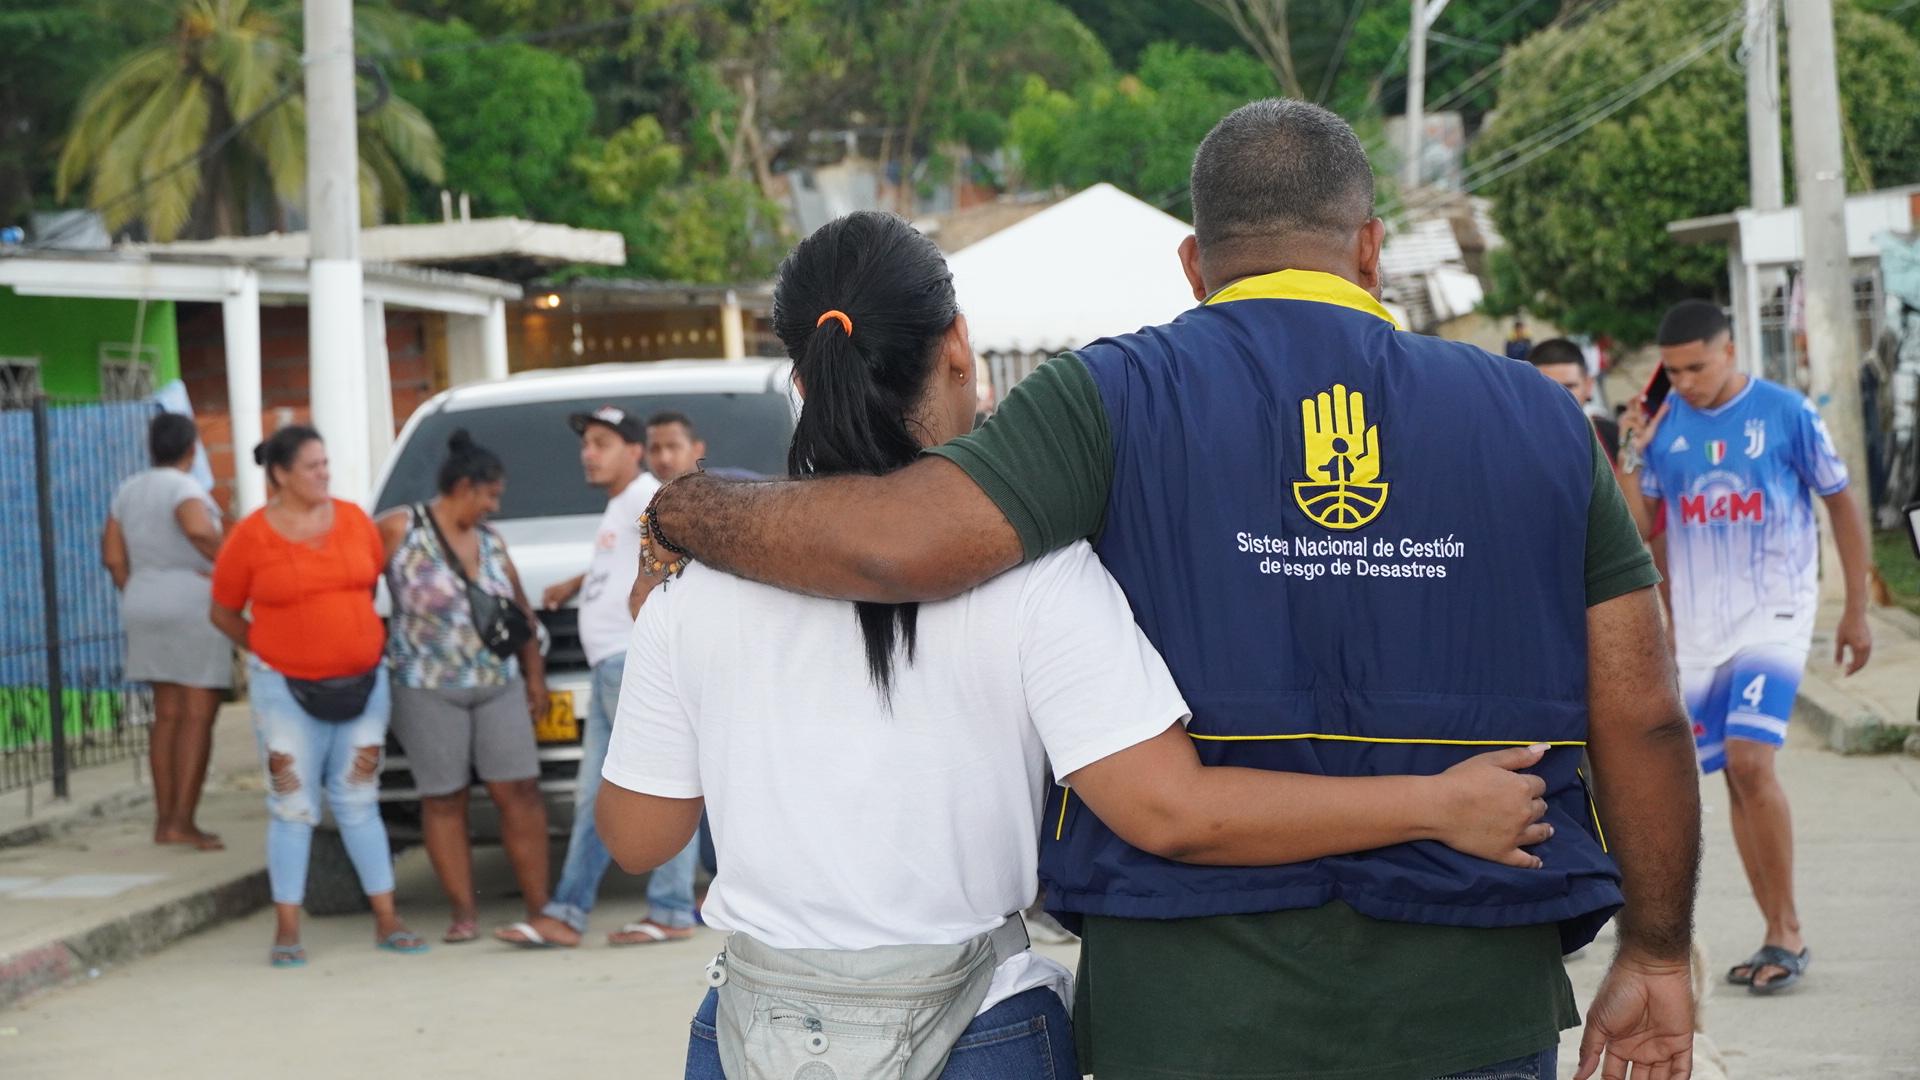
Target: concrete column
[[240, 322], [1746, 310], [493, 341], [466, 335], [336, 335], [379, 385], [733, 330]]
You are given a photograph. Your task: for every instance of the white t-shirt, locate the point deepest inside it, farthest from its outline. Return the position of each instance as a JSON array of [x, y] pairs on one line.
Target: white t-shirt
[[604, 622], [843, 825]]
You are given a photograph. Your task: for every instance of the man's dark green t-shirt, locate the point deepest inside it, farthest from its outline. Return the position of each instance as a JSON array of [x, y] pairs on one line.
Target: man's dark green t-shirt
[[1212, 997]]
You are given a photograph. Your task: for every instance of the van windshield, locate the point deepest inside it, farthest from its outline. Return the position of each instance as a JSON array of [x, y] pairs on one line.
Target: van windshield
[[743, 431]]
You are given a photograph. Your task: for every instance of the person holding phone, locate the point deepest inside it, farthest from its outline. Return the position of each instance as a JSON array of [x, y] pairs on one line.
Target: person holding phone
[[1734, 462]]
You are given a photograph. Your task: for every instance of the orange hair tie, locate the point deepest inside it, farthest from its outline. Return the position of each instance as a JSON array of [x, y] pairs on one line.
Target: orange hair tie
[[845, 323]]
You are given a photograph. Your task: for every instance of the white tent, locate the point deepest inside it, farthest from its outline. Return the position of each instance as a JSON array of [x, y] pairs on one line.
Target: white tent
[[1099, 263]]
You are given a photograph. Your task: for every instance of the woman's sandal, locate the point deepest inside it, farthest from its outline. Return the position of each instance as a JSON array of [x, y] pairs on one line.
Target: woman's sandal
[[403, 941], [287, 956], [1794, 964], [464, 930], [648, 932]]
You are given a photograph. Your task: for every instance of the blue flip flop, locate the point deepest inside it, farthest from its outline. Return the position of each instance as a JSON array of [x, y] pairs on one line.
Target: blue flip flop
[[1794, 964], [285, 956], [404, 941]]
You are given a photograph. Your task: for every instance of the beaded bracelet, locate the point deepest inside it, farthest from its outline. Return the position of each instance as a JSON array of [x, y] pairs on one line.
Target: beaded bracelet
[[649, 563]]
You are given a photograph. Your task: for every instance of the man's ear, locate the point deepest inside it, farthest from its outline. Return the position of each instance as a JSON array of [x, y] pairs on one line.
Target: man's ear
[[1190, 265], [1367, 249]]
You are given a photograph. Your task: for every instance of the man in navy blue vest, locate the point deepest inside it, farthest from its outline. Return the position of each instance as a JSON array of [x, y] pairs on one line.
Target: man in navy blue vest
[[1361, 552]]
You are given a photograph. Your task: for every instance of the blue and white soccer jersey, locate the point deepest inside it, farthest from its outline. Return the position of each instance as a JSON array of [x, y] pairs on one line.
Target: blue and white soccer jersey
[[1742, 554]]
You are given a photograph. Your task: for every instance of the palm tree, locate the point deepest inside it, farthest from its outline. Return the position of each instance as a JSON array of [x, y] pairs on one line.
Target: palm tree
[[193, 132]]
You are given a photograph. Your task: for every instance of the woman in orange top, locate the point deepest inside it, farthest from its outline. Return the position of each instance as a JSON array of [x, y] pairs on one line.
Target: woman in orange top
[[307, 563]]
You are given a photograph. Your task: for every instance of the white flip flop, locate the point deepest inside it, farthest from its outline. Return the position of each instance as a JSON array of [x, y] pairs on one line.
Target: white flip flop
[[654, 934], [530, 938]]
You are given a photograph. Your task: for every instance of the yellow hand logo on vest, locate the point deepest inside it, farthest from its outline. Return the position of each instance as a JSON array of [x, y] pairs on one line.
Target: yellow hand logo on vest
[[1343, 461]]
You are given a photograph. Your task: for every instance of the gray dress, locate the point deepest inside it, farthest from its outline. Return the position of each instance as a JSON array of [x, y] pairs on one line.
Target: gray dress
[[164, 609]]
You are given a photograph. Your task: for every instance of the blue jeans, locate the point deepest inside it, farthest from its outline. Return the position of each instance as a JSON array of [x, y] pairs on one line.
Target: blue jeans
[[670, 889], [303, 757], [1541, 1066], [1026, 1037]]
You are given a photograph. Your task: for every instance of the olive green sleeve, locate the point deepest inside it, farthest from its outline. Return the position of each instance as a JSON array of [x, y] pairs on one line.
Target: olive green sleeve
[[1617, 562], [1045, 458]]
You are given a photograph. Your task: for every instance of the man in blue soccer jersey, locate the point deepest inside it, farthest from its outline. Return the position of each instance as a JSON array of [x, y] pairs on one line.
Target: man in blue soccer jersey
[[1738, 461]]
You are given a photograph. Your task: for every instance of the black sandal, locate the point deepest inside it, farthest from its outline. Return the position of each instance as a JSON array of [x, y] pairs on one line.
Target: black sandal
[[1794, 964]]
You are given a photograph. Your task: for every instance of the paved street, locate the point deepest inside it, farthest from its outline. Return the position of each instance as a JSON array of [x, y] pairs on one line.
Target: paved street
[[210, 1008]]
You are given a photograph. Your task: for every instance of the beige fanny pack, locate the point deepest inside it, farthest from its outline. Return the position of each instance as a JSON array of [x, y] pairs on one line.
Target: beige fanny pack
[[887, 1013]]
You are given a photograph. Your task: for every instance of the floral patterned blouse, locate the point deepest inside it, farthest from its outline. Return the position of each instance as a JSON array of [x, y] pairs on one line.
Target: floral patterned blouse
[[431, 642]]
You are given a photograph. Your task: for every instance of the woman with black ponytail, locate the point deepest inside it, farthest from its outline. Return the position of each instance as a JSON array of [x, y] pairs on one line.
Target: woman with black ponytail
[[874, 773]]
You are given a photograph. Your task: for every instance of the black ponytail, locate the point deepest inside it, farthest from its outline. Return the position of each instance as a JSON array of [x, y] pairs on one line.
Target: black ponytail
[[864, 378], [468, 460], [282, 447]]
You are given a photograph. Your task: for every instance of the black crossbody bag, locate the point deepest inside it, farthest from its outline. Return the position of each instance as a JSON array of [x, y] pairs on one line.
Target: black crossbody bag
[[503, 627]]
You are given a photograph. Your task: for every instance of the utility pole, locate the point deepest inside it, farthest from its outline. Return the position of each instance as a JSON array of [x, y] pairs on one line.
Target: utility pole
[[336, 322], [1424, 14], [1416, 98], [1833, 346], [1766, 183], [1766, 176]]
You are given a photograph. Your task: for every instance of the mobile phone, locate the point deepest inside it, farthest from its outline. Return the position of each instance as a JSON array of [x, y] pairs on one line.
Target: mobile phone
[[1657, 389]]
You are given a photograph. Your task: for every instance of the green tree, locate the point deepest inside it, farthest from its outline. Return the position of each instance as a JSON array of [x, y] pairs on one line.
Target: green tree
[[49, 51], [511, 117], [1586, 222], [1137, 132], [159, 136]]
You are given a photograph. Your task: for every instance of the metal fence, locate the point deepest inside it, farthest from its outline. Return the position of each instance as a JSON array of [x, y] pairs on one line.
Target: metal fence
[[64, 703]]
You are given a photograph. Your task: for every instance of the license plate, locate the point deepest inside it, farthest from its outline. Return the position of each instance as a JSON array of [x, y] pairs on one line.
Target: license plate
[[560, 724]]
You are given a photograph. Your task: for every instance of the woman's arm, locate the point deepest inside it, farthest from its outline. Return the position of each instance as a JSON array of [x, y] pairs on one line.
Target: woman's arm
[[231, 623], [644, 831], [1158, 797], [533, 665], [197, 523], [392, 528], [113, 553]]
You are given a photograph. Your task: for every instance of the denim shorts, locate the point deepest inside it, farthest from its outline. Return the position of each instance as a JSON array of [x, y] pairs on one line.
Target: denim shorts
[[1541, 1066], [1026, 1037]]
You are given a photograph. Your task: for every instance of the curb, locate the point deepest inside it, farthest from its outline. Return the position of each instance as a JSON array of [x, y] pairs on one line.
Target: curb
[[68, 818], [129, 937], [1848, 724]]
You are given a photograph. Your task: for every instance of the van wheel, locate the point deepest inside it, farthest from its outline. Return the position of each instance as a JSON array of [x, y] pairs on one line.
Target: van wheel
[[333, 887]]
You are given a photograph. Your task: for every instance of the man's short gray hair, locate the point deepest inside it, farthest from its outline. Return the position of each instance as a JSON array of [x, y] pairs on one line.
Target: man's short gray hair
[[1278, 166]]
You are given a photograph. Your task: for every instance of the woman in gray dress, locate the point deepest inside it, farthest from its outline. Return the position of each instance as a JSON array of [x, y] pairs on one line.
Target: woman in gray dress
[[163, 531]]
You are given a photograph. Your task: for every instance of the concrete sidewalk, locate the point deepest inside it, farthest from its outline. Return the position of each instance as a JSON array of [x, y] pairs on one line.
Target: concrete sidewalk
[[83, 887], [1876, 710]]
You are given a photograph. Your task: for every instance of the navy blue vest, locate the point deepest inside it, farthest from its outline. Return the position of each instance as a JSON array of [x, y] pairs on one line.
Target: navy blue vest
[[1362, 552]]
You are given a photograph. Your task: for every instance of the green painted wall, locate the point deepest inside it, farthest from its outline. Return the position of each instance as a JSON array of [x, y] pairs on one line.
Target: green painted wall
[[66, 332]]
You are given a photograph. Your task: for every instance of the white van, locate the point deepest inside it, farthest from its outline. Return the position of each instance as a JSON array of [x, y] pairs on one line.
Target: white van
[[743, 409]]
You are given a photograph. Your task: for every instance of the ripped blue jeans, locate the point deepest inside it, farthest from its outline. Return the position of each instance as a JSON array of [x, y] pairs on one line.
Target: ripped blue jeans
[[304, 756]]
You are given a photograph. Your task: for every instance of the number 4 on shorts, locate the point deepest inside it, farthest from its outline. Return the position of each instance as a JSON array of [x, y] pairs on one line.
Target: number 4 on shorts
[[1754, 692]]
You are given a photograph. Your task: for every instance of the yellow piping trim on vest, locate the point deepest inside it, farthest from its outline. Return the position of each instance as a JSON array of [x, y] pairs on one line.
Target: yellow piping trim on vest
[[1591, 807], [1368, 739], [1303, 285], [1065, 794]]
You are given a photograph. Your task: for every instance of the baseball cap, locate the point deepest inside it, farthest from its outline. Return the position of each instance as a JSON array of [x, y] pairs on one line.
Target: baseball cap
[[613, 416]]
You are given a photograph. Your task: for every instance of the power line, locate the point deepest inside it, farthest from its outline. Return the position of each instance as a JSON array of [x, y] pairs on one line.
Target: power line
[[1521, 153], [549, 35]]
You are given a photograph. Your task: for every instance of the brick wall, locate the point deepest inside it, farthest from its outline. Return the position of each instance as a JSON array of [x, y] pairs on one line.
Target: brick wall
[[416, 364]]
